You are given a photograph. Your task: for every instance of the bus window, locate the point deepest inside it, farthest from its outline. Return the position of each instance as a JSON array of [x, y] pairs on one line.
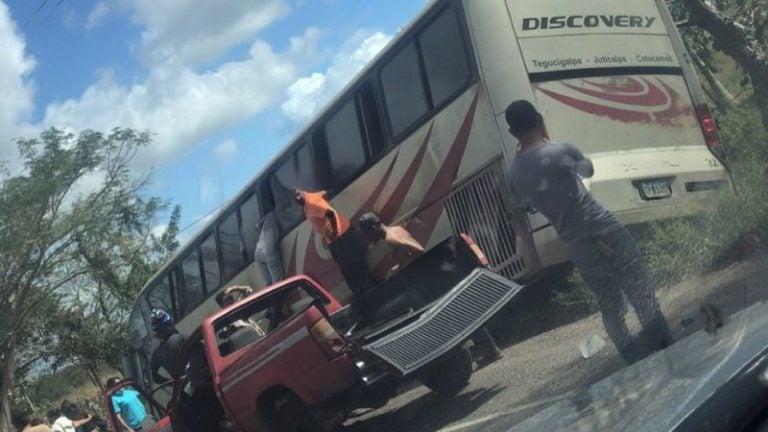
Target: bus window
[[159, 297], [250, 214], [210, 264], [192, 287], [231, 250], [176, 290], [404, 93], [445, 59], [366, 100], [298, 170], [138, 325], [346, 150]]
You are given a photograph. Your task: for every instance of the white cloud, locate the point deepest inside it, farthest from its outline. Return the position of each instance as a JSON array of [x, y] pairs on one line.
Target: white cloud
[[310, 93], [226, 150], [179, 106], [16, 90], [98, 15], [190, 32], [209, 190]]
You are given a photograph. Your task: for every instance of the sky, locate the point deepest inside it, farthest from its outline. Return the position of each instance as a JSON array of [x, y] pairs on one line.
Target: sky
[[222, 85]]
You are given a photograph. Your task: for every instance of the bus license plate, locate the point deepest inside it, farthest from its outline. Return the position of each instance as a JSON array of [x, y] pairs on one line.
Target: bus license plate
[[656, 189]]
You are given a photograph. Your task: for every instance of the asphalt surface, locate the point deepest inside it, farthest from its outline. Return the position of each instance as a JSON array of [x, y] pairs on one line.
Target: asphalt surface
[[542, 366]]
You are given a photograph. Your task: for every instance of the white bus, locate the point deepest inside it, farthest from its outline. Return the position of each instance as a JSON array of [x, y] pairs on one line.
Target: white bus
[[419, 136]]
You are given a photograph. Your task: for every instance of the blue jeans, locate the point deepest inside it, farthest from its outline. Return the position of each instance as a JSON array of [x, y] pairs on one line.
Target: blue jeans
[[270, 265], [613, 267]]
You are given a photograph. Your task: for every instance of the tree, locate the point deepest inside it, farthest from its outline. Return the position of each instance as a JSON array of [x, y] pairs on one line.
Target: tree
[[73, 189], [735, 27], [92, 330]]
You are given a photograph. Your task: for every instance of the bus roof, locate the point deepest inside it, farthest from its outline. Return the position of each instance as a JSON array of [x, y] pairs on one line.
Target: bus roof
[[294, 141]]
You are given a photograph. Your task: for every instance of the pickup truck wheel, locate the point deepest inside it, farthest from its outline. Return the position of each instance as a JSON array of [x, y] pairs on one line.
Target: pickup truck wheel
[[449, 374], [286, 412]]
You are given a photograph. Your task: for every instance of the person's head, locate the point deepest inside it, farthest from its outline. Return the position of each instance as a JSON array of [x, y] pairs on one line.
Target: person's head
[[524, 121], [370, 227], [112, 381], [161, 322], [19, 421], [232, 294], [69, 409], [53, 414]]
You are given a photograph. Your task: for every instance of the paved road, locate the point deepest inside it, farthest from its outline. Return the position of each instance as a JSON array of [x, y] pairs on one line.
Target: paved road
[[542, 364]]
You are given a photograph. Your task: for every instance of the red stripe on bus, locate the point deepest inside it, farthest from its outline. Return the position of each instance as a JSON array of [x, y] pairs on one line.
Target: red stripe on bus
[[600, 110], [429, 210], [653, 96], [389, 210], [368, 204]]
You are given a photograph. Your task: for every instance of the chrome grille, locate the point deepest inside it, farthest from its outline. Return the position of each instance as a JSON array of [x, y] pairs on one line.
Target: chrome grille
[[447, 323], [478, 207]]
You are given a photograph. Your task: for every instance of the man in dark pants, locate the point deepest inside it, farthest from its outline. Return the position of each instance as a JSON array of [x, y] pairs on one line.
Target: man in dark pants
[[545, 176], [344, 243], [167, 353]]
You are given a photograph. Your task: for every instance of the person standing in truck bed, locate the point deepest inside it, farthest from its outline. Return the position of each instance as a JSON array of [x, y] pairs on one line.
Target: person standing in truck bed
[[344, 244]]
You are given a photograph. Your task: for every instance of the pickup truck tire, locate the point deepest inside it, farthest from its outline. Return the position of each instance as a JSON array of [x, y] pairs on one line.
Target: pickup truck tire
[[449, 374], [286, 412]]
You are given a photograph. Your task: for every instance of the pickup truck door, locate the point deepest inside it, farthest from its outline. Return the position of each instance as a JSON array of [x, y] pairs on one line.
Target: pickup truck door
[[289, 352]]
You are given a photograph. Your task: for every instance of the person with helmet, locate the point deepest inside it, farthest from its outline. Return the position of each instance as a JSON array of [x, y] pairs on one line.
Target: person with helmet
[[167, 353]]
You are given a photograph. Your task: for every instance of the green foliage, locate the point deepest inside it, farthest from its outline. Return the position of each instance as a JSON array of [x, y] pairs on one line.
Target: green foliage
[[75, 248]]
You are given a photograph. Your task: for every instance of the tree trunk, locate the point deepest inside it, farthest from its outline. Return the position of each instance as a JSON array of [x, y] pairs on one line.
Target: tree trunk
[[734, 40], [8, 381], [719, 94], [93, 374]]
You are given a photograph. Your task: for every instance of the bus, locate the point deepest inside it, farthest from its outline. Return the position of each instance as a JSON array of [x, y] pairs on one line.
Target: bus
[[419, 136]]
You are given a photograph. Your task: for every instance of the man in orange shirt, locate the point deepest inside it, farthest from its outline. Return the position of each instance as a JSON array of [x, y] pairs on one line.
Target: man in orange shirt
[[344, 243]]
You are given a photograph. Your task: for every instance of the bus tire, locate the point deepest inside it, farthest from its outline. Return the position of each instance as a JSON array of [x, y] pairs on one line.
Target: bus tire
[[283, 411], [449, 374]]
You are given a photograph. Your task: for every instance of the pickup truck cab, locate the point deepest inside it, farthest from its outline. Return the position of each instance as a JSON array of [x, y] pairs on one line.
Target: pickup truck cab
[[291, 357]]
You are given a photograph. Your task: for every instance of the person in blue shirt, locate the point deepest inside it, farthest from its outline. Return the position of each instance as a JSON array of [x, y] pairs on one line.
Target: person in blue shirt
[[129, 409]]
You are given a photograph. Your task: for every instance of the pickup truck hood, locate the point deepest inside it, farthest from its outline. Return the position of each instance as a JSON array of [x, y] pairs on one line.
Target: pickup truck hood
[[445, 324]]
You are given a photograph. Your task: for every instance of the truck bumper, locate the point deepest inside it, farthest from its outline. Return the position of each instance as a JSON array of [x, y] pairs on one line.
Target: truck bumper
[[446, 323]]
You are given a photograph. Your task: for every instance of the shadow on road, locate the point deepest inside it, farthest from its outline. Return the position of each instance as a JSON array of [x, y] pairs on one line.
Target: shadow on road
[[429, 412]]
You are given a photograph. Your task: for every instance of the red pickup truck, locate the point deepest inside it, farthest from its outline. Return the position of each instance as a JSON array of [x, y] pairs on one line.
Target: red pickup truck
[[293, 358]]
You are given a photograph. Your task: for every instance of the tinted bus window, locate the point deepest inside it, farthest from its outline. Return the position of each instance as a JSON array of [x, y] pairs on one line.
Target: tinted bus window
[[250, 215], [159, 297], [444, 57], [210, 264], [346, 149], [138, 325], [372, 122], [229, 243], [404, 93], [298, 170], [192, 288]]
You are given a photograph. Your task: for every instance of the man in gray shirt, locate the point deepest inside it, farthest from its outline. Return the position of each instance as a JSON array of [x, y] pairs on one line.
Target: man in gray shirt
[[545, 176]]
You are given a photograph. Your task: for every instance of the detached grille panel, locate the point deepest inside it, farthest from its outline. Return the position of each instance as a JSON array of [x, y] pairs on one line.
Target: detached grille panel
[[447, 323]]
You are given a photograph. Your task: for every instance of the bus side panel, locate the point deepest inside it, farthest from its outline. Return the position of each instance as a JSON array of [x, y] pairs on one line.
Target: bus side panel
[[404, 185]]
